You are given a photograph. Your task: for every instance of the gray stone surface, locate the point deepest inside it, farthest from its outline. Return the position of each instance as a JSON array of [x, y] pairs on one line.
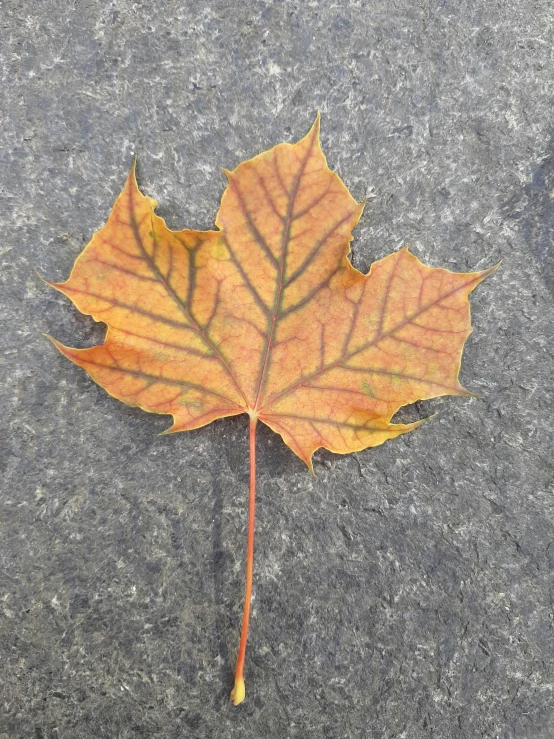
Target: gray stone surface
[[404, 592]]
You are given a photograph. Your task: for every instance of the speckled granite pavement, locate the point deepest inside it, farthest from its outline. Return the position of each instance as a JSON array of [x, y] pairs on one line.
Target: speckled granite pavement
[[402, 593]]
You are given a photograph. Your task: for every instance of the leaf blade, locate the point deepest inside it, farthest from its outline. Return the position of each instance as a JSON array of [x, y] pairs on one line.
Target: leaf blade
[[266, 315]]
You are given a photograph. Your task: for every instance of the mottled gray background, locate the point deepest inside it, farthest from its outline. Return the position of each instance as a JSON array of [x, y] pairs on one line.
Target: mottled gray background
[[404, 592]]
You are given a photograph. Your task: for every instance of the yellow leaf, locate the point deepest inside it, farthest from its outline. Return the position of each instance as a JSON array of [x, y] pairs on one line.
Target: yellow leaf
[[267, 316]]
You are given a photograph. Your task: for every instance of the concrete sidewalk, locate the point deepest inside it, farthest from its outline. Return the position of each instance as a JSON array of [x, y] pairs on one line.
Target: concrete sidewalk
[[405, 592]]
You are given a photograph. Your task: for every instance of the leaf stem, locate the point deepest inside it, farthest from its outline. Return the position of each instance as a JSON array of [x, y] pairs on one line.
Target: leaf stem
[[238, 692]]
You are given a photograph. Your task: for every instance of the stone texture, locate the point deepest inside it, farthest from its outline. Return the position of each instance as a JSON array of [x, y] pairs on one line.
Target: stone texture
[[404, 592]]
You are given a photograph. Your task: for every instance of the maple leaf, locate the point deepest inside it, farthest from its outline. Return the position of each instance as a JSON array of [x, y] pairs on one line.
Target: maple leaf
[[267, 316]]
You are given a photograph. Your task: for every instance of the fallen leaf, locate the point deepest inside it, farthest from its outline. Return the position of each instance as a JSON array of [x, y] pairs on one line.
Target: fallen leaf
[[267, 316]]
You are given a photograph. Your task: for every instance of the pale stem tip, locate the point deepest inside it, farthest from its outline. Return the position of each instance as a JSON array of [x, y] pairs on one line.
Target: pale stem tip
[[238, 692]]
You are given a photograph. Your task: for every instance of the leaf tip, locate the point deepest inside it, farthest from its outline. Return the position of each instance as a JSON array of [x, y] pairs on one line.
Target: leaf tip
[[171, 430], [483, 274], [132, 184], [46, 282], [50, 338], [132, 176], [316, 126], [59, 346], [313, 134], [492, 269], [421, 422], [56, 285], [309, 461]]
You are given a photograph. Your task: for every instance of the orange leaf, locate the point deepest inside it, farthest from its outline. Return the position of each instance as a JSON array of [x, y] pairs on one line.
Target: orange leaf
[[266, 315]]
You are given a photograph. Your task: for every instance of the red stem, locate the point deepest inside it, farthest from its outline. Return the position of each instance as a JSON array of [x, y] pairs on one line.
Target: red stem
[[238, 692]]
